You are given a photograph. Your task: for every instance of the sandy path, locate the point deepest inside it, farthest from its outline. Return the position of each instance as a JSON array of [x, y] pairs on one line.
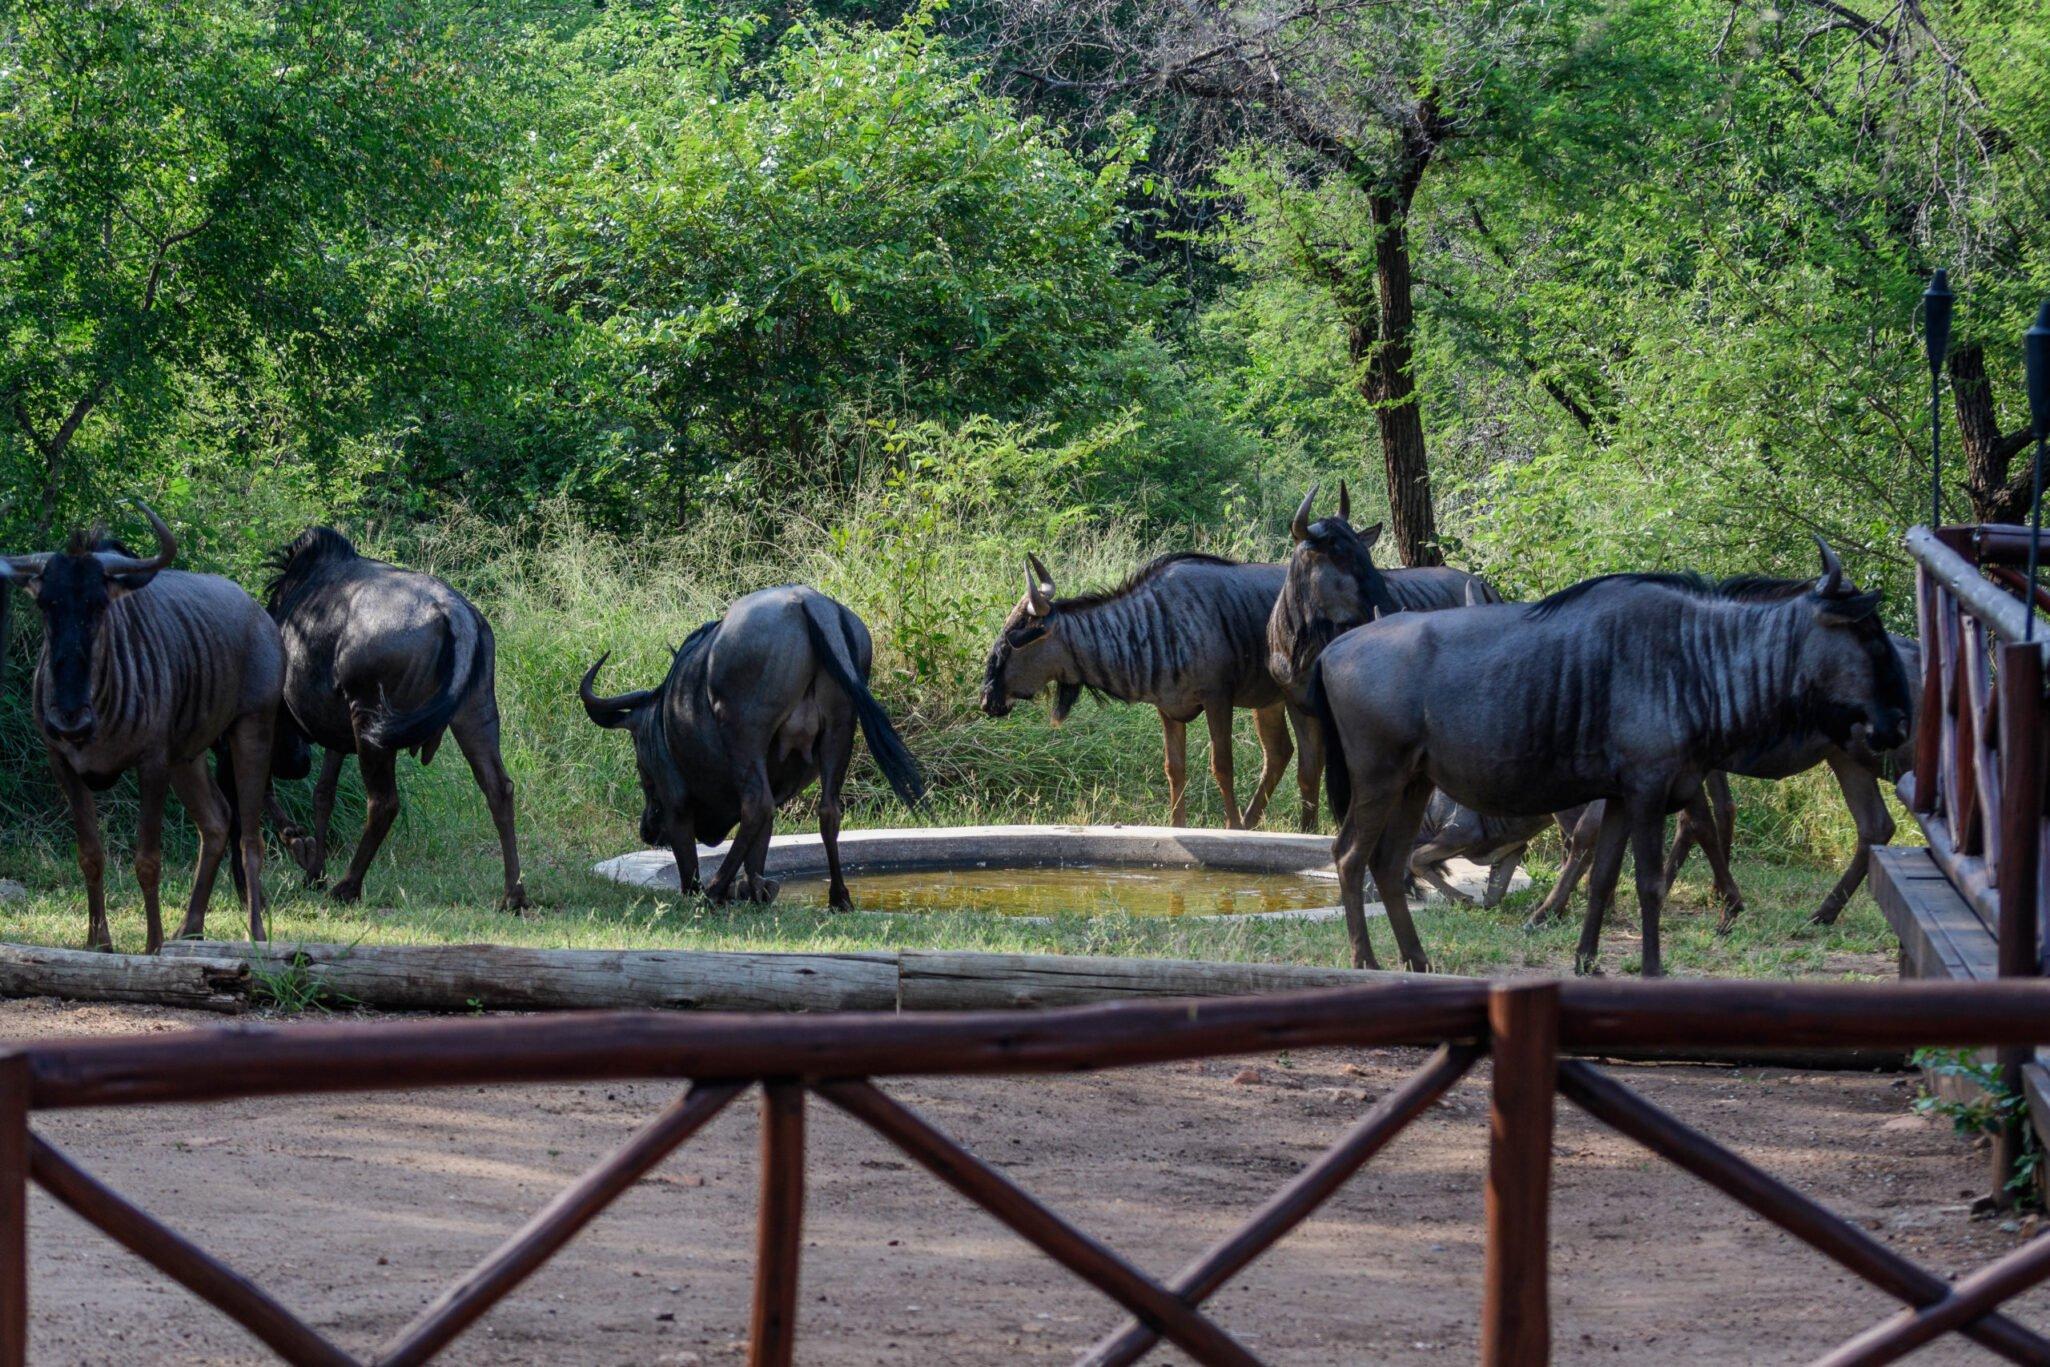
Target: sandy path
[[355, 1210]]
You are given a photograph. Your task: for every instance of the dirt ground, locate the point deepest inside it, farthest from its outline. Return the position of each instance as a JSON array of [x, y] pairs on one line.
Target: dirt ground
[[357, 1210]]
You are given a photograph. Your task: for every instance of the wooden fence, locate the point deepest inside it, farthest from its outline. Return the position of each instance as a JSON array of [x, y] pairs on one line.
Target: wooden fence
[[1532, 1030]]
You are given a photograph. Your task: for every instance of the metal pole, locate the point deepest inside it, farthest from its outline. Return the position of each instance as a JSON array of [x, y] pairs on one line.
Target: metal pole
[[1936, 306], [2036, 361]]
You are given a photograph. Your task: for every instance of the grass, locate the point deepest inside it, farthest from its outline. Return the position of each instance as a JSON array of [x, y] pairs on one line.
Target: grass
[[932, 567]]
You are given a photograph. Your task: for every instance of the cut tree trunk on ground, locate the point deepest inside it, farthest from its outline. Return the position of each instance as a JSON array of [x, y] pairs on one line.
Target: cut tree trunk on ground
[[505, 977], [940, 981], [200, 982]]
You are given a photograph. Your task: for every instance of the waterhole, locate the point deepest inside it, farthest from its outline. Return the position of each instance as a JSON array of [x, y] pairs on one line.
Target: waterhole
[[1087, 890]]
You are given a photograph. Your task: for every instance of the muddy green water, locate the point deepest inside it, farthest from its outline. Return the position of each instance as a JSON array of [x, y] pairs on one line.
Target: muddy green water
[[1088, 890]]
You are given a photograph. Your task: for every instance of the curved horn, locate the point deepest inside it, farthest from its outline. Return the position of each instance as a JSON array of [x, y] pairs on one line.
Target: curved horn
[[1300, 528], [1344, 503], [28, 565], [1472, 598], [1038, 587], [1831, 584], [167, 549], [603, 709]]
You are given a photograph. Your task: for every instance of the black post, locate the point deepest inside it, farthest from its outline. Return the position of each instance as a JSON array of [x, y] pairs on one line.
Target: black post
[[1936, 305], [2036, 360]]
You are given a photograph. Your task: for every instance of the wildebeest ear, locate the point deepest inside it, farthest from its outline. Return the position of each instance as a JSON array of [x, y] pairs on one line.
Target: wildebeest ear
[[1842, 611], [1370, 536]]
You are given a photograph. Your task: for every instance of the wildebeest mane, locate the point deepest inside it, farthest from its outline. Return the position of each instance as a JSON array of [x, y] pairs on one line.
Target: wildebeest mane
[[1742, 588], [294, 564], [1140, 577]]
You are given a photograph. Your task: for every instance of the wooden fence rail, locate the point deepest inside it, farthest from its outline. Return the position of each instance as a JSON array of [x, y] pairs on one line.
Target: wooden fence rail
[[1527, 1028]]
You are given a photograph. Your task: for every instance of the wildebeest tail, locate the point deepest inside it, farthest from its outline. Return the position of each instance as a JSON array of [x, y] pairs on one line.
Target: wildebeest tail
[[423, 725], [291, 752], [827, 626], [1337, 778]]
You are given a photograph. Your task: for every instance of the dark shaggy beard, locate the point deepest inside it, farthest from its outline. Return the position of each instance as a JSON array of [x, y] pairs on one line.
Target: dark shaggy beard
[[1065, 696]]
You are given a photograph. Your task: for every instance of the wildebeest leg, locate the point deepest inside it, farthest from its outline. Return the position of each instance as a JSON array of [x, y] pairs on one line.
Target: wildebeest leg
[[249, 742], [476, 731], [1499, 875], [381, 808], [1309, 764], [1428, 863], [750, 845], [1875, 827], [834, 748], [315, 860], [92, 855], [208, 809], [1605, 866], [151, 789], [1717, 847], [1176, 734], [1358, 831], [1218, 715], [1275, 752], [1579, 835], [1647, 838], [1391, 861]]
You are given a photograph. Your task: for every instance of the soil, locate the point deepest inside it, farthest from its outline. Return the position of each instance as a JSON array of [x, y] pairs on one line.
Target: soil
[[355, 1211]]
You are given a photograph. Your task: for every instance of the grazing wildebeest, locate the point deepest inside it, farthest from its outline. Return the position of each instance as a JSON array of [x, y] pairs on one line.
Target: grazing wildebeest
[[379, 660], [1332, 586], [1186, 632], [756, 705], [148, 668], [1630, 688], [1858, 771]]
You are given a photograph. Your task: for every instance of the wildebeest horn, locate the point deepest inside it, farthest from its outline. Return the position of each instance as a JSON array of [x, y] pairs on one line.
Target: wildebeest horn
[[1038, 587], [1831, 584], [167, 549], [1300, 528], [609, 711], [26, 565], [1344, 502], [1472, 599]]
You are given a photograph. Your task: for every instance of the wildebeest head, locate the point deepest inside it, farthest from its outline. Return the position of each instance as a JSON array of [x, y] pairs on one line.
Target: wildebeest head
[[639, 713], [1031, 651], [1333, 585], [74, 588], [1848, 670]]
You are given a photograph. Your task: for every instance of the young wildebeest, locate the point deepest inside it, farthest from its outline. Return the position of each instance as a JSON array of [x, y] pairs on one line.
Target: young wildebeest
[[1332, 586], [756, 705], [379, 660], [147, 668], [1629, 687], [1187, 633], [1450, 831]]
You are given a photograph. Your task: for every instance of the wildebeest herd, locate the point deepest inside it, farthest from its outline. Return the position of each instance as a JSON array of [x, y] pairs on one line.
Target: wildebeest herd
[[1441, 720]]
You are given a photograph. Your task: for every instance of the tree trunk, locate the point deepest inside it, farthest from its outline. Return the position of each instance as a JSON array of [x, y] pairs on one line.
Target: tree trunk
[[1989, 456], [1388, 383]]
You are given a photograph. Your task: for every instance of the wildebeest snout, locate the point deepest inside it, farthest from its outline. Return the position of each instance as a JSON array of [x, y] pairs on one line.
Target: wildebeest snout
[[70, 723], [994, 703]]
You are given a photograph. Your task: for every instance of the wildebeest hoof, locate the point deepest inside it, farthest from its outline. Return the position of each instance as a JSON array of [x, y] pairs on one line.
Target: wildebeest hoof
[[348, 890], [1417, 965], [764, 891], [1825, 916], [515, 900], [1729, 921], [1587, 965]]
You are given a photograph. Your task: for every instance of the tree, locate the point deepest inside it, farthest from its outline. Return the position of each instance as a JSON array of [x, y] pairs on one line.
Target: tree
[[189, 184]]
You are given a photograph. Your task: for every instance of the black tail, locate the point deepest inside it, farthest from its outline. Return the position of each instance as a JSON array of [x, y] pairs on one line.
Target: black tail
[[831, 640], [224, 779], [389, 730], [1337, 778], [291, 751]]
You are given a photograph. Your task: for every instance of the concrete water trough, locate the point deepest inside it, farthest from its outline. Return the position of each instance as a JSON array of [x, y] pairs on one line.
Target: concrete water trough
[[1022, 870]]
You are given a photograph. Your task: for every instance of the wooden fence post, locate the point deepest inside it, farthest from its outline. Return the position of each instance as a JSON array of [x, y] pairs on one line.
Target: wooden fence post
[[14, 1092], [772, 1336], [2021, 835], [1523, 1029]]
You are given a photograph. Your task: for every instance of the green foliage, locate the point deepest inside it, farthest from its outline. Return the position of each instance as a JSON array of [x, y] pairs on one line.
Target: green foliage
[[1987, 1106]]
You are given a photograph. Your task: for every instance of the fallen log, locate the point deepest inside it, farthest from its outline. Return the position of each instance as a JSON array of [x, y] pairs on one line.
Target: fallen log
[[198, 982], [937, 980], [515, 977]]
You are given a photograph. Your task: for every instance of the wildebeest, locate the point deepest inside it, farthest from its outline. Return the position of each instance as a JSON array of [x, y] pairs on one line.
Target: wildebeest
[[755, 706], [1450, 831], [1187, 633], [147, 668], [1630, 688], [380, 660], [1333, 585]]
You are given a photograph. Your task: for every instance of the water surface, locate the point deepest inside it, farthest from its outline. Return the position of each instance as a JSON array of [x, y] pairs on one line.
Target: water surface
[[1080, 889]]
